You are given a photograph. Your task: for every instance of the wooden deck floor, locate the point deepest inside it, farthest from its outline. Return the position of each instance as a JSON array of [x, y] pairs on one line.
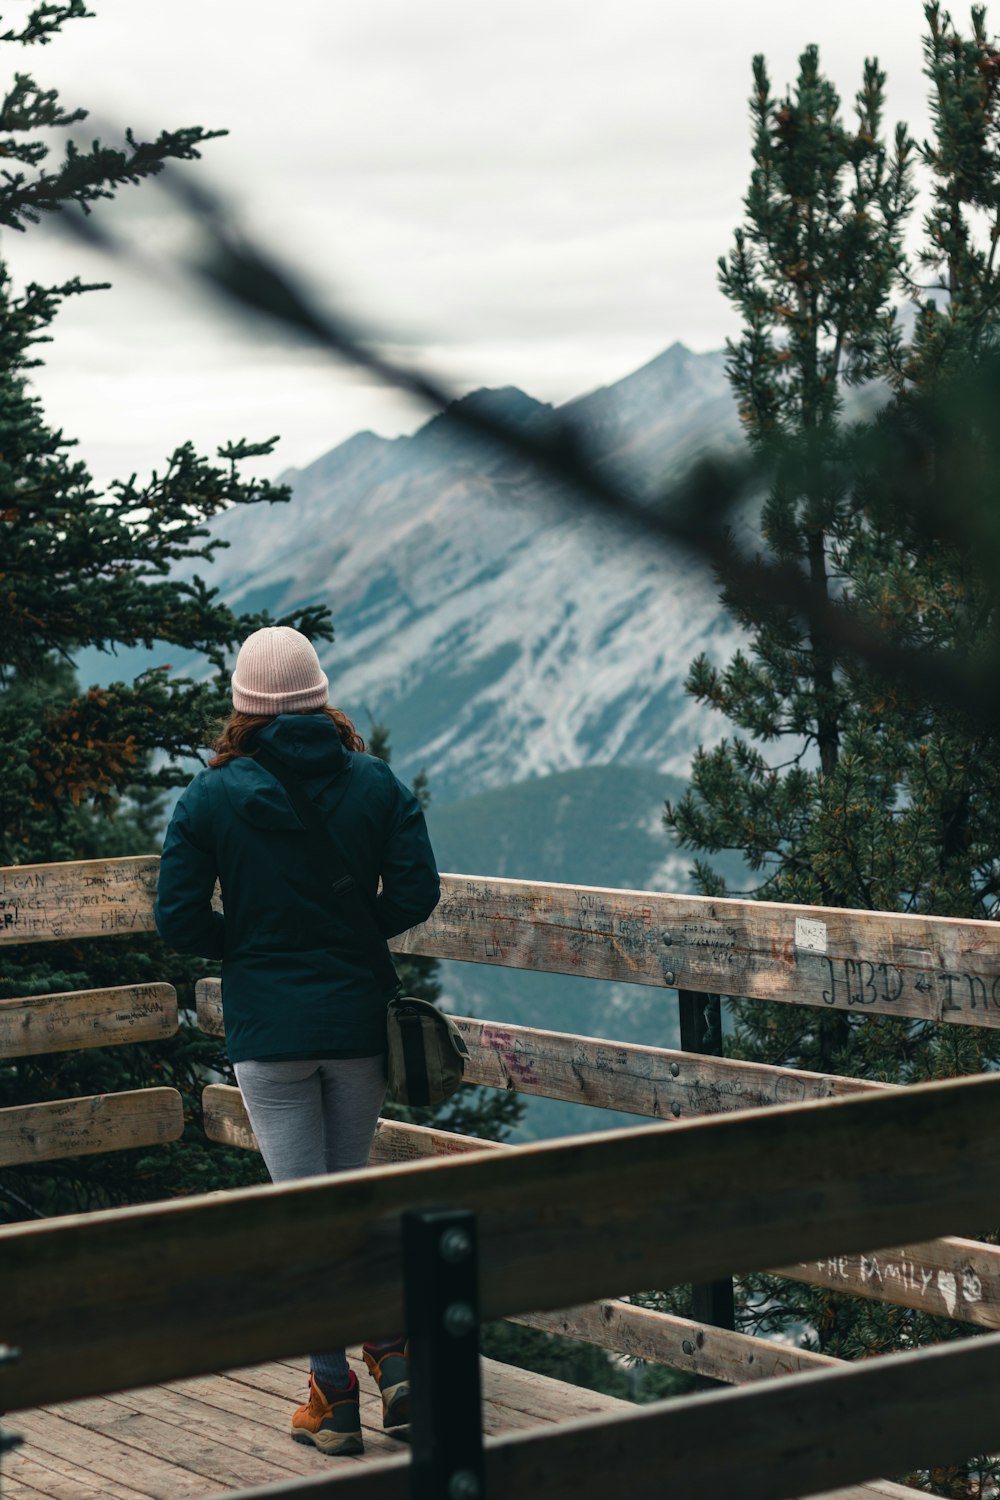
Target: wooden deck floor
[[203, 1437]]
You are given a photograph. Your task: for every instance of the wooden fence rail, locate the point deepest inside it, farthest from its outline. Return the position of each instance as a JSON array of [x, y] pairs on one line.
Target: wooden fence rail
[[655, 1081], [682, 1343], [933, 968], [175, 1289], [50, 1130], [948, 1277], [82, 1127], [960, 1278], [87, 1018]]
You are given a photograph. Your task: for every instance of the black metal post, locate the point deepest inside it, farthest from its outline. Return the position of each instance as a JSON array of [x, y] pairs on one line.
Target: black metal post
[[441, 1287], [701, 1031], [9, 1440]]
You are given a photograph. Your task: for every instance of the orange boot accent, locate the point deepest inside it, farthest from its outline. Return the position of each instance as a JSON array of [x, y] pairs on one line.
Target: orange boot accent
[[334, 1427]]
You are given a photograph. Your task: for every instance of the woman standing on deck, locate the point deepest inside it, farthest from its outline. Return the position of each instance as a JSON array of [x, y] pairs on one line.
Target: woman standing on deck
[[304, 1014]]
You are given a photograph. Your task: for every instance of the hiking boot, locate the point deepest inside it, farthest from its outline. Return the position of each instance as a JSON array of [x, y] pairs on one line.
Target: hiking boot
[[333, 1425], [390, 1368]]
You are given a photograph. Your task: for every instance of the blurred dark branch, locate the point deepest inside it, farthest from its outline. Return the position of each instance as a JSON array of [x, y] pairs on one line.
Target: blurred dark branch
[[694, 517]]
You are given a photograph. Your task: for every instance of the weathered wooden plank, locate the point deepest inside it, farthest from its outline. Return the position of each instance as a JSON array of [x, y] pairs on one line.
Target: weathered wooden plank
[[80, 1127], [87, 1018], [783, 1439], [700, 1348], [391, 1481], [941, 968], [560, 1223], [681, 1343], [208, 1001], [50, 1436], [82, 898], [226, 1394], [227, 1443], [653, 1081], [949, 1277], [542, 1399], [60, 1478], [396, 1142], [226, 1120], [153, 1432], [15, 1489]]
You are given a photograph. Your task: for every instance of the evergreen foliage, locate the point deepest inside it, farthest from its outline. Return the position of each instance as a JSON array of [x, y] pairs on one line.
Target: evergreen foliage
[[87, 769], [838, 786]]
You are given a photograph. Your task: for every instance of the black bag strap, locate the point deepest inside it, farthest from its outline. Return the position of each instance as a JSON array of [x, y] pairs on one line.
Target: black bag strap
[[326, 856], [411, 1034]]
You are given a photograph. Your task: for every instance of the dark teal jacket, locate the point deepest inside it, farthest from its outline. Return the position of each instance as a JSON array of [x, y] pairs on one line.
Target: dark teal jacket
[[295, 980]]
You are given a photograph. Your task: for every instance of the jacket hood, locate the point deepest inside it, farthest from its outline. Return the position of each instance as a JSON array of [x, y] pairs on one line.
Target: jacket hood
[[309, 745]]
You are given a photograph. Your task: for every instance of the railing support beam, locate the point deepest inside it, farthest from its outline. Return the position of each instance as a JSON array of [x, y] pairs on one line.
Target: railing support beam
[[701, 1031], [441, 1289]]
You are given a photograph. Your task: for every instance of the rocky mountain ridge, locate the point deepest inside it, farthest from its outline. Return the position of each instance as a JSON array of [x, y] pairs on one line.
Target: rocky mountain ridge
[[500, 630]]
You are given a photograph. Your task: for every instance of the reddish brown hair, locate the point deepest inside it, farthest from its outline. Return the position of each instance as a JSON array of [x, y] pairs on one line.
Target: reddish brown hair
[[240, 731]]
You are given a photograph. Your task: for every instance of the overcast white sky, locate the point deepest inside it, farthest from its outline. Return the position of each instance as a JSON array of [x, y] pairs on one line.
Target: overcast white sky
[[526, 191]]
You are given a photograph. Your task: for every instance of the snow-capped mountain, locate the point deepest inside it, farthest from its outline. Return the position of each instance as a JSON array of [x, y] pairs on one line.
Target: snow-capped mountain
[[499, 629]]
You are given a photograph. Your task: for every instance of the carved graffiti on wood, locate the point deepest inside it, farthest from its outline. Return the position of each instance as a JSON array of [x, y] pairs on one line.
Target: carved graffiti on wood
[[43, 903], [954, 1291]]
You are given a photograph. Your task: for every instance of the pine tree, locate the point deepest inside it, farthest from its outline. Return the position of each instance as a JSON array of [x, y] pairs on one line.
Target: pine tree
[[811, 275], [962, 229], [841, 787], [86, 767]]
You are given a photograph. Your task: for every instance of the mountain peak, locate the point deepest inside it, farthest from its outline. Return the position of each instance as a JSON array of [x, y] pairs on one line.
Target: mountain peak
[[506, 401], [507, 404]]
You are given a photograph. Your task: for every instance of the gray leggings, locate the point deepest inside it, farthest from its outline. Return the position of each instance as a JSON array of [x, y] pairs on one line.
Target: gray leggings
[[312, 1116]]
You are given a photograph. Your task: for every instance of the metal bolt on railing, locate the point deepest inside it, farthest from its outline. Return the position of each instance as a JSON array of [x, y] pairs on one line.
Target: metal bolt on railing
[[459, 1319], [463, 1485], [455, 1245]]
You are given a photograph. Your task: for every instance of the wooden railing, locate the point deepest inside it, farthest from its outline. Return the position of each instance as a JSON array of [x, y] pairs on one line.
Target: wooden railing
[[573, 1221], [100, 1122], [167, 1291], [931, 968]]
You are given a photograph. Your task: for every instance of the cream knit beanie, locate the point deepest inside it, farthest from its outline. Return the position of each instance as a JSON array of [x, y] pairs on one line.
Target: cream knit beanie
[[278, 672]]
